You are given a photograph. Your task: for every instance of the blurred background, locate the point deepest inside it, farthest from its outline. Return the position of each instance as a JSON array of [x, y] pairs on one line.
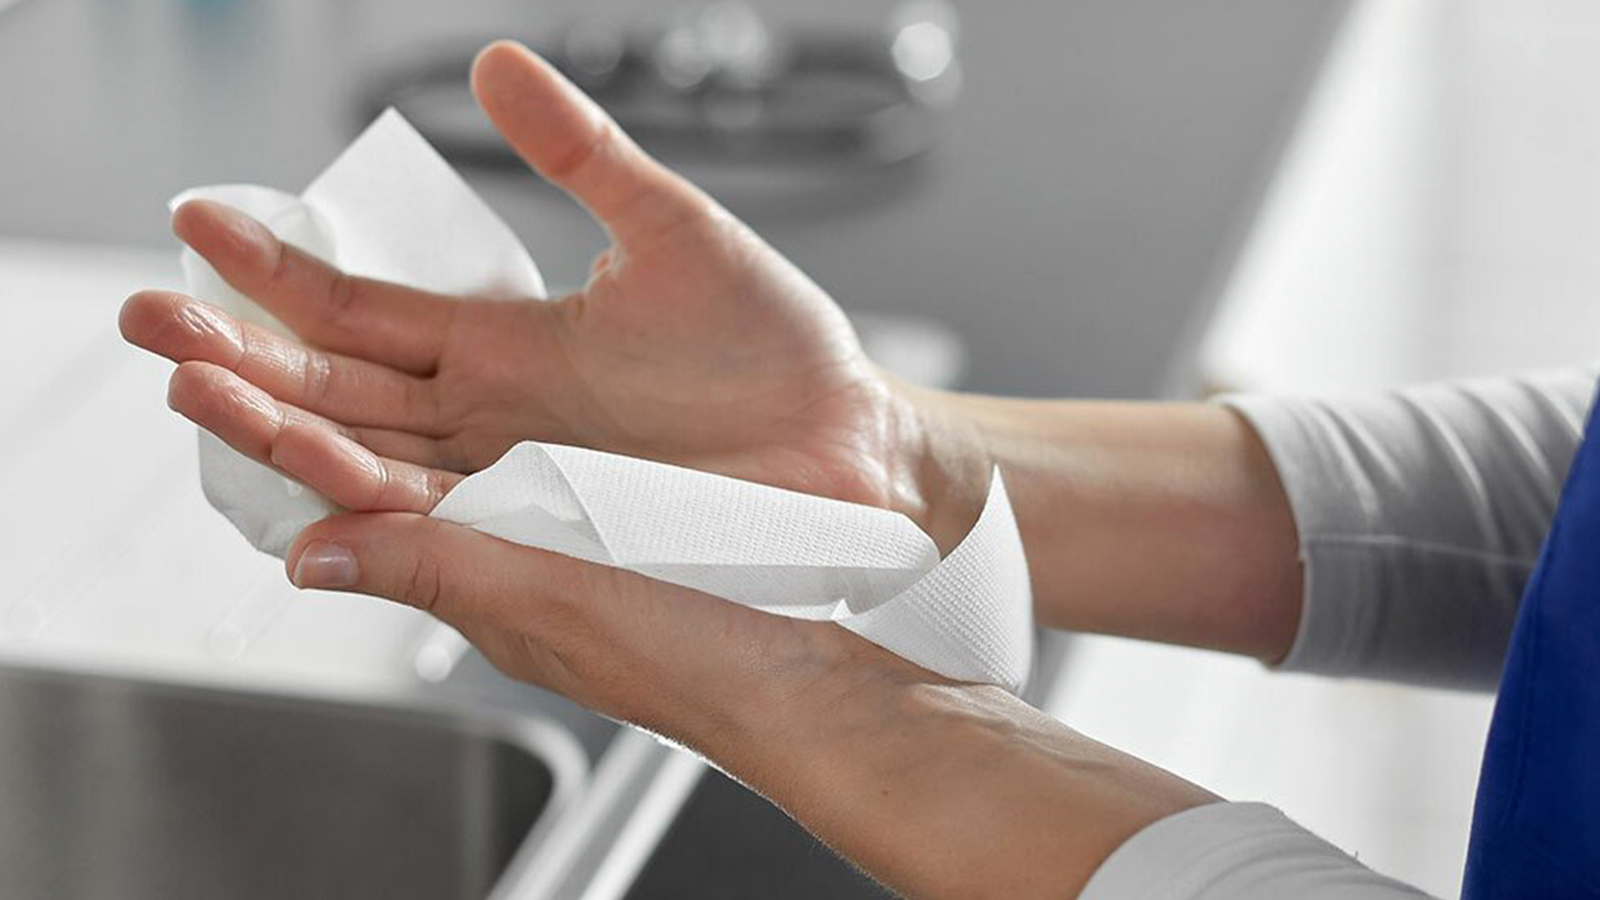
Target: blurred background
[[1140, 198], [1111, 144]]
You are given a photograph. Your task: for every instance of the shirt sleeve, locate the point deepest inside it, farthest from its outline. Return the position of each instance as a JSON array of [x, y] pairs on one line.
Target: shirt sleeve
[[1236, 851], [1420, 515]]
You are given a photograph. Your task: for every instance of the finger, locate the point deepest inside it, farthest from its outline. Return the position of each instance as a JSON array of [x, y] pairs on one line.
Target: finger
[[495, 593], [301, 445], [444, 453], [353, 391], [452, 571], [355, 477], [570, 141], [245, 416], [595, 633], [377, 320]]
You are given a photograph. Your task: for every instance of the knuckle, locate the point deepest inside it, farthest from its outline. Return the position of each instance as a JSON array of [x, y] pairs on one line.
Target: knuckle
[[425, 584], [278, 275], [316, 377], [343, 291], [434, 485], [382, 486], [198, 321], [574, 161]]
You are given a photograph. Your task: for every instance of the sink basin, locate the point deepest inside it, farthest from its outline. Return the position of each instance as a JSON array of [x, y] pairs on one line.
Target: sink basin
[[130, 789]]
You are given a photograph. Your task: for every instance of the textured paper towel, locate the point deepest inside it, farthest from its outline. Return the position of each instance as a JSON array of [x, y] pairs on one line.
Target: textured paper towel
[[391, 208], [873, 571]]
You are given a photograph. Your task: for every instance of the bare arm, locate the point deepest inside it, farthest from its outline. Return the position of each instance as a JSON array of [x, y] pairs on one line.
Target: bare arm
[[1387, 535], [1158, 521], [954, 791]]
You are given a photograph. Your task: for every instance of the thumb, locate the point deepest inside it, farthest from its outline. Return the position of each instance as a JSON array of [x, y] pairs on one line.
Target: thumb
[[455, 573], [571, 141]]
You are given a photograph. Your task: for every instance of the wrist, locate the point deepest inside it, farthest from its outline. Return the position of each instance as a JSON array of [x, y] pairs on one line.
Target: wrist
[[941, 466], [814, 684], [898, 770]]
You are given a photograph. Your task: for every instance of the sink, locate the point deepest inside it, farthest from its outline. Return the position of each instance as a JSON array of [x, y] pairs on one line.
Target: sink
[[728, 842], [112, 787]]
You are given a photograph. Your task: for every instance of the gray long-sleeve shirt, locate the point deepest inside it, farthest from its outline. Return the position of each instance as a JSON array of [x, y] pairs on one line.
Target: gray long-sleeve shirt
[[1420, 516]]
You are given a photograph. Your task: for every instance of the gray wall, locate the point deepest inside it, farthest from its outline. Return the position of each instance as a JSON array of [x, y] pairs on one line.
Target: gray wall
[[1069, 225]]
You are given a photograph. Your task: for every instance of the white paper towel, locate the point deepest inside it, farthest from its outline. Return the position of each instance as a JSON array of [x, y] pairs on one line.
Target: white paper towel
[[391, 208], [870, 570]]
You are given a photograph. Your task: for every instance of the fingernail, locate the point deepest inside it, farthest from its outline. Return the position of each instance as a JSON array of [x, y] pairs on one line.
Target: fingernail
[[325, 565]]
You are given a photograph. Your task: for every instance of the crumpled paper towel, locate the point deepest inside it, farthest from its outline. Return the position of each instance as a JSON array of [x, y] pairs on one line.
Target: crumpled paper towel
[[389, 207]]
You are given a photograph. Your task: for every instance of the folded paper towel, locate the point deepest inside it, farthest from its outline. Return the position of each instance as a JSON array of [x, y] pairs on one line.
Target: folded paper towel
[[391, 208], [873, 571]]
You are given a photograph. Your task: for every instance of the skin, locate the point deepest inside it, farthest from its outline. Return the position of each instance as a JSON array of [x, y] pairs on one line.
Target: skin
[[695, 343]]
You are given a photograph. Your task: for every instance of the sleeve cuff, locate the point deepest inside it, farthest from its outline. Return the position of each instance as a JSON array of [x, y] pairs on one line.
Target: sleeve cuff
[[1236, 851], [1325, 502]]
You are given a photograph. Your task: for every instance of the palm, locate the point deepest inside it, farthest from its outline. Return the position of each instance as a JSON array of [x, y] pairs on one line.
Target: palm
[[704, 349]]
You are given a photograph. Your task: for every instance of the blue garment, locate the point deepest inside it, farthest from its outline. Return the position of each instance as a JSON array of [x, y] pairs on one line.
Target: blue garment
[[1536, 828]]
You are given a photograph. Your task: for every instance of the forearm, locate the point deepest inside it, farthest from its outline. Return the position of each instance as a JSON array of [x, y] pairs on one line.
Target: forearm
[[1392, 534], [1158, 521], [950, 791]]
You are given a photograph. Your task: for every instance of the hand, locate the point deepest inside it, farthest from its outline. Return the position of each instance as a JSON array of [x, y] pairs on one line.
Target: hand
[[693, 342]]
